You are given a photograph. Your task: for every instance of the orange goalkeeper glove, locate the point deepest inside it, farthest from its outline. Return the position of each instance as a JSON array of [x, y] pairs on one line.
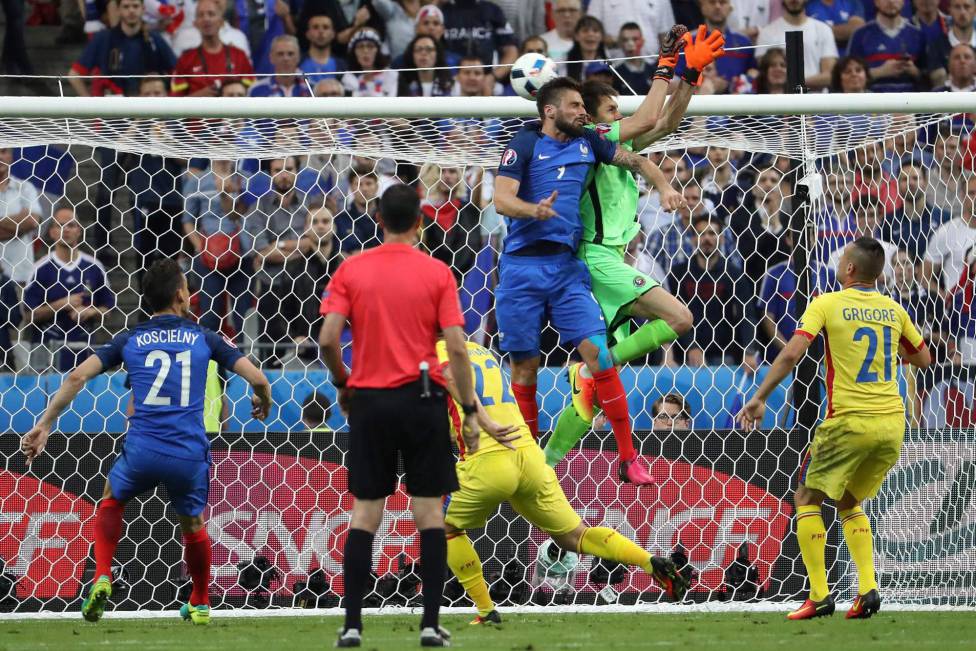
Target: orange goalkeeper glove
[[667, 58], [701, 52]]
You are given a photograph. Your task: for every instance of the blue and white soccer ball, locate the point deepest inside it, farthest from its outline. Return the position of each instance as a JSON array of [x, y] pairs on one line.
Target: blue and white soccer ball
[[554, 563], [530, 72]]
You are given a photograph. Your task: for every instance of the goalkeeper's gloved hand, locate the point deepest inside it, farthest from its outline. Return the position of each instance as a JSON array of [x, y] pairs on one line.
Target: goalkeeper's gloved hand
[[667, 58], [701, 51]]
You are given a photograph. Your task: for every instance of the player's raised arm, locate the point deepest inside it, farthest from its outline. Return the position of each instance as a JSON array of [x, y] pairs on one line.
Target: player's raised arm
[[646, 117], [508, 204], [33, 443]]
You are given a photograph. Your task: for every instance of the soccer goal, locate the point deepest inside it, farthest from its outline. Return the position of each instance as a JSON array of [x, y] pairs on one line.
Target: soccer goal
[[224, 183]]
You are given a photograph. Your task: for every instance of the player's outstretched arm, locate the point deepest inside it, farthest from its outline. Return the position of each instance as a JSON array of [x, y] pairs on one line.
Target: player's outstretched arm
[[33, 443], [752, 413], [261, 400], [645, 118], [508, 204]]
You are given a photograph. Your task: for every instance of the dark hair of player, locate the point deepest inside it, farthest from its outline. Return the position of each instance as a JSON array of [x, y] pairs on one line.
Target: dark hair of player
[[160, 284], [552, 93], [399, 208], [593, 92], [868, 257]]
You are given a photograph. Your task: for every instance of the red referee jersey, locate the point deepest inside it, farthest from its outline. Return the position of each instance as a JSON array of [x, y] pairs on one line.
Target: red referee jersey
[[397, 300]]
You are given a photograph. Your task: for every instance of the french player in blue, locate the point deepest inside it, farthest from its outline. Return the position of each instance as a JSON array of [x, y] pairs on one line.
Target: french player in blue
[[543, 173], [166, 358]]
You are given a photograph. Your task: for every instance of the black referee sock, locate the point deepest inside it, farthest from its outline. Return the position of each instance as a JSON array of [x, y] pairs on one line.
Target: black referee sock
[[433, 572], [357, 561]]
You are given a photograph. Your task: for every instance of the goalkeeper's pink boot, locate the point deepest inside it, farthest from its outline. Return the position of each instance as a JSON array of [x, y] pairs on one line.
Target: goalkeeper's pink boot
[[632, 472]]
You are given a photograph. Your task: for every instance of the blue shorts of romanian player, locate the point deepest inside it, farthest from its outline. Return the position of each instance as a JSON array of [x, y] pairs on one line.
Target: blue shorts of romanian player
[[138, 470], [533, 288]]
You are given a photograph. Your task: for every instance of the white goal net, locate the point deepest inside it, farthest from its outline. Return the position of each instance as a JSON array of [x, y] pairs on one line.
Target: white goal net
[[261, 200]]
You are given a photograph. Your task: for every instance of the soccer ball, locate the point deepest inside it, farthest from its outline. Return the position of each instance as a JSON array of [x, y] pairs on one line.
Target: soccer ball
[[554, 562], [530, 72]]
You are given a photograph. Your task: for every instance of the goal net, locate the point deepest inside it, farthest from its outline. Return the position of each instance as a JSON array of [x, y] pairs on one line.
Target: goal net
[[261, 200]]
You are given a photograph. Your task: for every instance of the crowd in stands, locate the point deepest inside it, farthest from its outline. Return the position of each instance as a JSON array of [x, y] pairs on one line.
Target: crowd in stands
[[267, 235]]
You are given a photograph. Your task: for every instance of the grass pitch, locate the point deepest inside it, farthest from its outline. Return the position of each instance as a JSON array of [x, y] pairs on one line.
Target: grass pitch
[[520, 632]]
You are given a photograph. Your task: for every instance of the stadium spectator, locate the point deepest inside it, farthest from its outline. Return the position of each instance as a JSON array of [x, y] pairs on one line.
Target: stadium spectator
[[599, 71], [946, 188], [674, 242], [777, 305], [910, 226], [849, 75], [472, 80], [214, 226], [843, 16], [922, 299], [752, 15], [654, 17], [759, 225], [566, 13], [451, 217], [68, 294], [634, 75], [868, 217], [263, 24], [534, 45], [212, 58], [21, 214], [872, 177], [356, 227], [365, 54], [738, 66], [951, 248], [712, 287], [311, 272], [526, 18], [316, 412], [348, 17], [424, 52], [191, 35], [430, 22], [287, 80], [278, 225], [771, 79], [670, 413], [836, 223], [961, 67], [893, 48], [399, 17], [10, 317], [930, 20], [156, 185], [959, 31], [588, 38], [480, 27], [321, 60], [126, 49], [819, 48], [719, 182]]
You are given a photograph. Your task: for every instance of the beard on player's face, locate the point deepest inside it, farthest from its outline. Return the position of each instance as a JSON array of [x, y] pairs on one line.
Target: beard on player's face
[[570, 126]]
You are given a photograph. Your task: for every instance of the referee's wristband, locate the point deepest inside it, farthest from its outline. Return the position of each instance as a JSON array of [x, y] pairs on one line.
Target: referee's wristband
[[469, 409]]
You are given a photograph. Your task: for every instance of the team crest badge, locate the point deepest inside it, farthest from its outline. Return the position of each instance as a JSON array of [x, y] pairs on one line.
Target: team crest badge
[[603, 129], [509, 157], [639, 282]]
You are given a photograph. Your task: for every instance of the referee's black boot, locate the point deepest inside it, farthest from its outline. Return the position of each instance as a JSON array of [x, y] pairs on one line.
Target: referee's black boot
[[435, 636], [349, 638]]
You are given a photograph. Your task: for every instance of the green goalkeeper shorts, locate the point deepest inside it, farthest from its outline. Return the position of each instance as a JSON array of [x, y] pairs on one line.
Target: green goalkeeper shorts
[[615, 283]]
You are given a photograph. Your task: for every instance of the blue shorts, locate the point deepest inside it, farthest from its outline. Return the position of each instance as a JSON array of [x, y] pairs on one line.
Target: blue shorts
[[138, 470], [532, 289]]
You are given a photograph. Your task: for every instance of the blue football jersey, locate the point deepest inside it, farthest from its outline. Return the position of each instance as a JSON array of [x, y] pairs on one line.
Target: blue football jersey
[[166, 359], [541, 165]]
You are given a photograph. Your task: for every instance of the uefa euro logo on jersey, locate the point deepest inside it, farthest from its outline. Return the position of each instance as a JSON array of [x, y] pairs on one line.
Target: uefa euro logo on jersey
[[509, 157]]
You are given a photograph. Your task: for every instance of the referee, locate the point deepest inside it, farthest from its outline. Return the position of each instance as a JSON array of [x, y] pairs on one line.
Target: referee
[[397, 300]]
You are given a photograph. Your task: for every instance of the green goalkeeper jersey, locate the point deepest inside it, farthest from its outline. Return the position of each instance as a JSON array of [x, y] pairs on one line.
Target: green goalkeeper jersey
[[608, 207]]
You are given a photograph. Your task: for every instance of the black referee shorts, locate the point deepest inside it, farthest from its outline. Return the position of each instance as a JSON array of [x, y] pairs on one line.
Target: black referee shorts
[[385, 423]]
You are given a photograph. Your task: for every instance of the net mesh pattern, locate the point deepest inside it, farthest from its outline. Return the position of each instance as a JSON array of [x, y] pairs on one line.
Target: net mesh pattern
[[278, 509]]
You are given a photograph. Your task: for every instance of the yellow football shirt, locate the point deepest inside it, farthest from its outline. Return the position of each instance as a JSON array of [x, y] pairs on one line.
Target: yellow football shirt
[[862, 331], [494, 391]]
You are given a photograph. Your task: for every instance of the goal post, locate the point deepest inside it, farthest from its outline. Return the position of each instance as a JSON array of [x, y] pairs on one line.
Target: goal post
[[153, 177]]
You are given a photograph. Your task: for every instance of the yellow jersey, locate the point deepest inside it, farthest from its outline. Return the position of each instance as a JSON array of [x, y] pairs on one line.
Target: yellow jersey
[[862, 331], [494, 391]]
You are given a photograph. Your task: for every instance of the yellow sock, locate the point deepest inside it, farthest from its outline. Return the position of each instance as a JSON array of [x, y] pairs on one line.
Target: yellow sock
[[608, 544], [812, 536], [464, 562], [857, 533]]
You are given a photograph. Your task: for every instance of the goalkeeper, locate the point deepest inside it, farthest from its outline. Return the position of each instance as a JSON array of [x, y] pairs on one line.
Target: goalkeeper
[[507, 464], [608, 209]]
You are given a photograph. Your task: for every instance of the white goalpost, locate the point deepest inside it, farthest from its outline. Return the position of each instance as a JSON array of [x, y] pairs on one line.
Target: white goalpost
[[148, 177]]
